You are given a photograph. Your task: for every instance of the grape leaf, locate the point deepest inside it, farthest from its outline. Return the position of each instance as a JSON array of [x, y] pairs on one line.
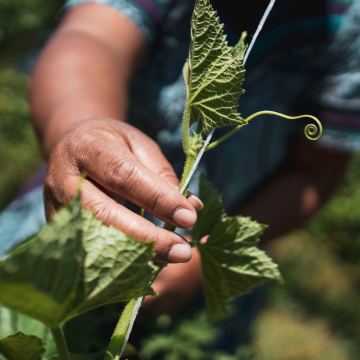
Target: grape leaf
[[73, 265], [20, 346], [213, 72], [232, 265], [12, 322]]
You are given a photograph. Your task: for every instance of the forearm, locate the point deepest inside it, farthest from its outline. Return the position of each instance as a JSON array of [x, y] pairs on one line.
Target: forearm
[[292, 198], [287, 202], [80, 75]]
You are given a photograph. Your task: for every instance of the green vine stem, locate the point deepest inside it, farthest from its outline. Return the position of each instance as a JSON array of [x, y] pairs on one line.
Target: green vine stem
[[123, 329], [63, 352], [124, 325], [186, 138], [310, 129]]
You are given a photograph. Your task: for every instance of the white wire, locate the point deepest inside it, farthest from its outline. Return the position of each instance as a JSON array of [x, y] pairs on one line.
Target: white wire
[[201, 153], [260, 26]]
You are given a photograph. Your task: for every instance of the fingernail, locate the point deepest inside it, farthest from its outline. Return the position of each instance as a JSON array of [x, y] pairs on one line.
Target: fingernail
[[199, 204], [185, 217], [180, 253]]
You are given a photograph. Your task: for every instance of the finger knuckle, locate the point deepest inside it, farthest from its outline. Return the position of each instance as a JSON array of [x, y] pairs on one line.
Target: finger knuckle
[[121, 173], [76, 147], [101, 211], [151, 234], [158, 200], [167, 172]]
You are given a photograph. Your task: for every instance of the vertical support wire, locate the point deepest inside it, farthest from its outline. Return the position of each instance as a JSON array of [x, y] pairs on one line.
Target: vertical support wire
[[259, 28]]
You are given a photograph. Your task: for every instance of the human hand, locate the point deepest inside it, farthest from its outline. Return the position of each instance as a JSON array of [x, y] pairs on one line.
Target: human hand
[[119, 159]]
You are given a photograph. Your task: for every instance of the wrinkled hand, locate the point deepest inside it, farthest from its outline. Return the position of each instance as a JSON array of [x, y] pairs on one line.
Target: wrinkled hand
[[119, 159]]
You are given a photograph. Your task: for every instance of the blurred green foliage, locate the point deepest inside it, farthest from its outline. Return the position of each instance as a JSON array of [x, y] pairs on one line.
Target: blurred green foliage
[[24, 26], [19, 151], [185, 343]]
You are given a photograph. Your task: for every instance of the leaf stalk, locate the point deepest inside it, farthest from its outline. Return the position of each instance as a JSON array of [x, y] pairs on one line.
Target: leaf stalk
[[123, 329], [60, 342], [186, 136]]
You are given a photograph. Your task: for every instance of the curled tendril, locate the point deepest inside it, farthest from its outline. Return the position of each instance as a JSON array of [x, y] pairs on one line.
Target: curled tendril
[[310, 130]]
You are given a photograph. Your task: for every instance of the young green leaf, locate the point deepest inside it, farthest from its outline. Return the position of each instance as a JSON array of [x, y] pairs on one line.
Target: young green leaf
[[20, 346], [232, 265], [213, 72], [240, 46], [75, 264]]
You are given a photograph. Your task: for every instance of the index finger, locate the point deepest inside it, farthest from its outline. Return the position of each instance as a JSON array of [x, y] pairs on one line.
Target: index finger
[[115, 168]]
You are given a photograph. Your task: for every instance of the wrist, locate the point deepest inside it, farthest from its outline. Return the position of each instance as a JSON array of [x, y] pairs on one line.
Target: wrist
[[75, 111], [57, 131]]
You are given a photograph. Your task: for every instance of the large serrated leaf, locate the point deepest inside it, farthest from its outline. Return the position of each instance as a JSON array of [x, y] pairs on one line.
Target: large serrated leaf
[[75, 264], [20, 346], [232, 265], [213, 72]]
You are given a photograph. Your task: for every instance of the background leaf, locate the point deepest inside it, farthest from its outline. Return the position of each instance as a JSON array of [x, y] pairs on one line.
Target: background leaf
[[72, 357], [213, 75], [12, 322], [129, 350], [184, 343], [73, 265], [232, 265], [20, 346]]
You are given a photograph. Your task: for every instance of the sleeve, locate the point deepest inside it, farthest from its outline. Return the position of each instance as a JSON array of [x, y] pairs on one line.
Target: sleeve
[[337, 93], [148, 15]]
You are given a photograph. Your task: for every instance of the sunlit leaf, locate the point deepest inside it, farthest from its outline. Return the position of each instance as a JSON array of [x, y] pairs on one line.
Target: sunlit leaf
[[75, 264], [213, 72], [232, 265]]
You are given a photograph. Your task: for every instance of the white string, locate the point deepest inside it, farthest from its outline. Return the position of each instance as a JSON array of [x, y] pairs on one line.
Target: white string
[[198, 158], [260, 26], [133, 317]]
